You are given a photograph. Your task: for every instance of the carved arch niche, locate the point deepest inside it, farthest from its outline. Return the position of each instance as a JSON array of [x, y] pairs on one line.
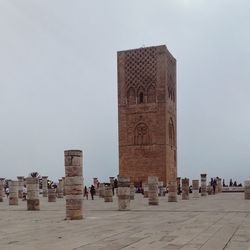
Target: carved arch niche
[[151, 94], [141, 134], [131, 97], [141, 95], [171, 133]]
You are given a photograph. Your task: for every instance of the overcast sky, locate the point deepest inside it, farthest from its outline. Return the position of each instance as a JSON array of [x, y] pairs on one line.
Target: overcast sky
[[58, 82]]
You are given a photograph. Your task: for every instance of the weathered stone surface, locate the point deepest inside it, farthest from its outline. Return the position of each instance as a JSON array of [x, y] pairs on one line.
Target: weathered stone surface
[[215, 223], [101, 190], [172, 191], [247, 189], [45, 186], [153, 190], [185, 189], [203, 184], [20, 186], [147, 114], [132, 191], [13, 196], [108, 194], [60, 188], [1, 189], [33, 205], [195, 186], [73, 184], [51, 195], [123, 193], [32, 193]]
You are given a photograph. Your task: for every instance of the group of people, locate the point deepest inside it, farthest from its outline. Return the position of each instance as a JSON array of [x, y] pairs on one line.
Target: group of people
[[90, 190], [7, 192]]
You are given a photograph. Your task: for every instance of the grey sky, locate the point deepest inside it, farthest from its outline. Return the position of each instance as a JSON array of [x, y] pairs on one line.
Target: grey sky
[[58, 87]]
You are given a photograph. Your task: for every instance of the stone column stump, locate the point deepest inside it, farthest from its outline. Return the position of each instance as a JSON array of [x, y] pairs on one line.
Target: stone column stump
[[195, 185], [60, 189], [73, 184], [33, 202], [172, 191], [13, 196], [45, 186], [145, 190], [185, 189], [108, 194], [20, 186], [63, 185], [132, 191], [51, 195], [247, 189], [101, 190], [153, 198], [1, 189], [203, 184], [123, 193]]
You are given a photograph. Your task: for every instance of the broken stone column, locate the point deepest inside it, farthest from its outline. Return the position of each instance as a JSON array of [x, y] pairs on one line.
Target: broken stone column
[[195, 185], [45, 186], [60, 189], [185, 189], [209, 190], [20, 186], [123, 193], [247, 189], [108, 194], [95, 184], [101, 190], [63, 185], [13, 196], [33, 202], [145, 190], [153, 198], [1, 189], [132, 191], [51, 195], [203, 184], [73, 184], [219, 185], [172, 191]]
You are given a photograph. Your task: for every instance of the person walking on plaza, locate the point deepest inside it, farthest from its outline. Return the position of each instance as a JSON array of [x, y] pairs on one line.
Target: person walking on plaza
[[92, 192], [86, 193]]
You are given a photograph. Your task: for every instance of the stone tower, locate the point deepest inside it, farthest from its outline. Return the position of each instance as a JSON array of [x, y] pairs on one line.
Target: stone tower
[[147, 114]]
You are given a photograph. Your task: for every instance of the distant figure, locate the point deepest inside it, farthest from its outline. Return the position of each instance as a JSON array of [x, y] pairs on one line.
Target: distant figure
[[92, 192], [7, 192], [230, 183], [24, 192], [86, 193]]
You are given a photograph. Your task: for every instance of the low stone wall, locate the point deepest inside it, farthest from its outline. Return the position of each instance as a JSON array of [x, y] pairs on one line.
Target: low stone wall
[[232, 189]]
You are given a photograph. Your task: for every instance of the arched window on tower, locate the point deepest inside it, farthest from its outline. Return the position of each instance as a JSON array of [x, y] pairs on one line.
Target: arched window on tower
[[151, 95], [131, 96], [140, 96]]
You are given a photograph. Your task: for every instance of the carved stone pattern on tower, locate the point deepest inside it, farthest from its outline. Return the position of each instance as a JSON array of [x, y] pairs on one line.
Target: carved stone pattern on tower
[[171, 87], [141, 134], [140, 68]]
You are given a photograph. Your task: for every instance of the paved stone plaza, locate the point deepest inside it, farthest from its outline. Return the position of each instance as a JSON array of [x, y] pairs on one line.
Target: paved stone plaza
[[220, 221]]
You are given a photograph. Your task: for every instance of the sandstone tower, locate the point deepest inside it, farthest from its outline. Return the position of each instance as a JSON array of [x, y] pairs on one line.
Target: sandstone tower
[[147, 114]]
